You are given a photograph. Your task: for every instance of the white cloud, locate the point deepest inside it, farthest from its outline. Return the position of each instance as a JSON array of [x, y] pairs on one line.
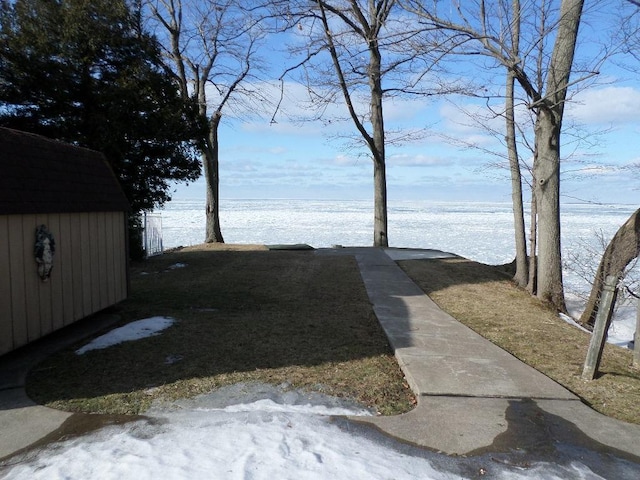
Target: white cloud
[[418, 160], [399, 109], [470, 125], [608, 105]]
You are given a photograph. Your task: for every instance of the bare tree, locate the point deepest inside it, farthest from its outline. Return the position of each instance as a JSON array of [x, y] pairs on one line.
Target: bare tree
[[546, 86], [521, 276], [356, 50], [211, 49]]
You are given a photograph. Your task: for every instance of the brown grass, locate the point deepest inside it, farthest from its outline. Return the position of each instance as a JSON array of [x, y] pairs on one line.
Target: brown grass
[[483, 298], [243, 314], [248, 314]]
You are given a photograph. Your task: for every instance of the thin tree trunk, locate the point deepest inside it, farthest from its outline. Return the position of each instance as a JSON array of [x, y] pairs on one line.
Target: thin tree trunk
[[522, 267], [213, 233], [533, 246], [380, 237], [521, 276]]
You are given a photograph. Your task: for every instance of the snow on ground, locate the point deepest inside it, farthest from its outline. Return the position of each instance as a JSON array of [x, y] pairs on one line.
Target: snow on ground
[[271, 434], [623, 325], [177, 265], [129, 332]]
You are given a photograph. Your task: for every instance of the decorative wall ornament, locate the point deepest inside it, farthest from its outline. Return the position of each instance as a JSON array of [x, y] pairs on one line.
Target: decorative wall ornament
[[44, 249]]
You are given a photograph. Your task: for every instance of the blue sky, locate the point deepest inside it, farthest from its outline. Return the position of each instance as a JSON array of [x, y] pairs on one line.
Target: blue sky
[[287, 159]]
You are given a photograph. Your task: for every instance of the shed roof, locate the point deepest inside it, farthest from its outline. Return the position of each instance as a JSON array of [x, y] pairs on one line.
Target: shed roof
[[40, 175]]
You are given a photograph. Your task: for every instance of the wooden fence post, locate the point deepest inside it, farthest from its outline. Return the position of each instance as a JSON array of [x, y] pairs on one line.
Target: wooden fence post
[[603, 320], [636, 339]]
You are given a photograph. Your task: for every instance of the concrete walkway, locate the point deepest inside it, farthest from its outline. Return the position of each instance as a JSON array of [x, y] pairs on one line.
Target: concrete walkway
[[23, 422], [473, 397]]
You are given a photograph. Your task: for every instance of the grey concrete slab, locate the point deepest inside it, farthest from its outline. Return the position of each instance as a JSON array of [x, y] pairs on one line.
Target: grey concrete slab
[[447, 424], [475, 425], [439, 355], [475, 376], [474, 397], [22, 422]]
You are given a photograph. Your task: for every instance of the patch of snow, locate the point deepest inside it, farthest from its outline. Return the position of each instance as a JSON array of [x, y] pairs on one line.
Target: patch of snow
[[147, 327], [262, 439], [265, 439], [415, 254], [177, 265], [571, 321], [623, 324]]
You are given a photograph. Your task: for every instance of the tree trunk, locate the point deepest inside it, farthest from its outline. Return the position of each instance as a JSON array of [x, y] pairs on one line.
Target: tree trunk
[[550, 111], [533, 246], [547, 185], [375, 140], [621, 250], [380, 238], [522, 267], [210, 160], [521, 276]]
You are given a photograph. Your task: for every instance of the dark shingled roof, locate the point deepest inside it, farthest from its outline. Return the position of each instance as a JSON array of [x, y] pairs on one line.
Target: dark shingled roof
[[39, 175]]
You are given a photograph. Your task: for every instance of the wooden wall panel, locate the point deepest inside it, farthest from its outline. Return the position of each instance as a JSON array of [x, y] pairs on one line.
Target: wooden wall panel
[[90, 272], [121, 257], [16, 267], [32, 281], [94, 260], [103, 266], [66, 258], [110, 263], [85, 254], [6, 324], [56, 303], [77, 276]]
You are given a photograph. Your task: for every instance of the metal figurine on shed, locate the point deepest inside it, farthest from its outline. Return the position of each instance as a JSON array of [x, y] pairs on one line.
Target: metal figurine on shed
[[44, 249]]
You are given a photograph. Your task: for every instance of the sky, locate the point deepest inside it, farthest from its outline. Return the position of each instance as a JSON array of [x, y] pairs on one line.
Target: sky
[[307, 160]]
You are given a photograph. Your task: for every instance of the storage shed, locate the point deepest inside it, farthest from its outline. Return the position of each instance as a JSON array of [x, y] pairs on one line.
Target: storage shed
[[63, 236]]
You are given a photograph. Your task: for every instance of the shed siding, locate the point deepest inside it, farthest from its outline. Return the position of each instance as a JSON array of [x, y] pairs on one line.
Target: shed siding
[[66, 283], [89, 272], [18, 295], [6, 328]]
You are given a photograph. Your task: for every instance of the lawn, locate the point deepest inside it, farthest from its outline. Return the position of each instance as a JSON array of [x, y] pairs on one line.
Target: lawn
[[248, 314], [244, 313]]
